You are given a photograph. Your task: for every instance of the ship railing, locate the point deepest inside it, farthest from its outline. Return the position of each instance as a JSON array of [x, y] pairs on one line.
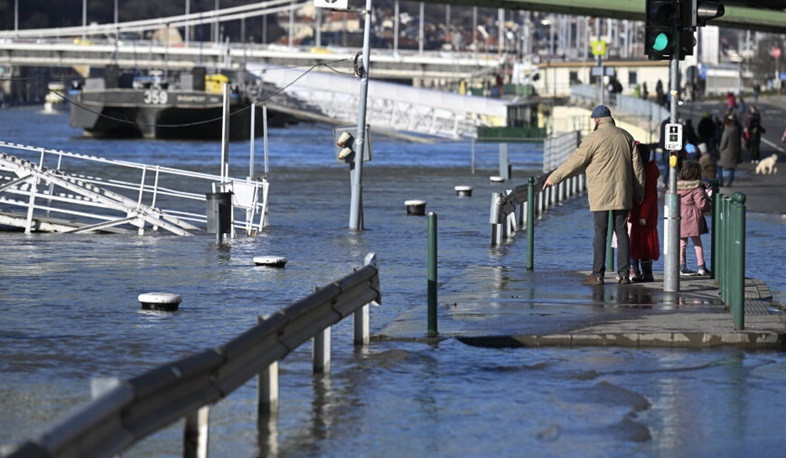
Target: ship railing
[[186, 388], [169, 194]]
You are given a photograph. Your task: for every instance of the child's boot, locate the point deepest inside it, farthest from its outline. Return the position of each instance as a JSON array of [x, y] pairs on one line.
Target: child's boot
[[646, 271]]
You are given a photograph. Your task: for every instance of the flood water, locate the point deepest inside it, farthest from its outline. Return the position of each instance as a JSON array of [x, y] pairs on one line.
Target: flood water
[[68, 313]]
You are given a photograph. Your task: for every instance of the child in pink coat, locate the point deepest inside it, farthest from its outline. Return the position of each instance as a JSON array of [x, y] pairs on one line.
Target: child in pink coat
[[693, 203]]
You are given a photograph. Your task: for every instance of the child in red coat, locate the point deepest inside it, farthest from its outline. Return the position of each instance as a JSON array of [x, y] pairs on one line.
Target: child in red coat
[[643, 219]]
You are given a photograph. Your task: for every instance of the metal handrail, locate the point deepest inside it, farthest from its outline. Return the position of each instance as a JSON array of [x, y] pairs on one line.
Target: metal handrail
[[142, 193], [149, 402]]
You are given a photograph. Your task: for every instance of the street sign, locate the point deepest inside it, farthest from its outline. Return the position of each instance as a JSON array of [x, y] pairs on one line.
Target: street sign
[[598, 48], [673, 137], [775, 52], [333, 4]]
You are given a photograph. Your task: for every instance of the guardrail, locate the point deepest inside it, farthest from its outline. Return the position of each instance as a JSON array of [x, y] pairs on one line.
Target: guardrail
[[186, 387], [101, 203], [519, 206], [728, 251]]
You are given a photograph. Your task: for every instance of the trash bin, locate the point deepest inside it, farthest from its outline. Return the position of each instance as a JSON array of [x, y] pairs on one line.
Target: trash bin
[[219, 212]]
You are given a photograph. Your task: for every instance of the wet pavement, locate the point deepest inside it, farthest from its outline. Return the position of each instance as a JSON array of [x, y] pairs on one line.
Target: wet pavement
[[512, 307]]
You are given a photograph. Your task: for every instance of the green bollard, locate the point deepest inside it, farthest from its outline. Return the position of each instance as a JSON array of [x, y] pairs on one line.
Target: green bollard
[[609, 249], [737, 264], [432, 274], [714, 239], [530, 223]]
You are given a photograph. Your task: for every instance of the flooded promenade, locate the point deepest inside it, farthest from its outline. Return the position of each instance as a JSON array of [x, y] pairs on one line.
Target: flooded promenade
[[70, 314]]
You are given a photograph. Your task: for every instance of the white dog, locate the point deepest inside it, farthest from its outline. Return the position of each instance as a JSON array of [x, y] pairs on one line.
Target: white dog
[[767, 166]]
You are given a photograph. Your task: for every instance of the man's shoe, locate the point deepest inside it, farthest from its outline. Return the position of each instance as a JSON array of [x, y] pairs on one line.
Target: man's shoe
[[593, 280], [624, 281]]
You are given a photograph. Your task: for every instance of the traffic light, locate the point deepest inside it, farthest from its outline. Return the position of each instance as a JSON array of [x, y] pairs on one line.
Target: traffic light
[[694, 14], [706, 11], [660, 30]]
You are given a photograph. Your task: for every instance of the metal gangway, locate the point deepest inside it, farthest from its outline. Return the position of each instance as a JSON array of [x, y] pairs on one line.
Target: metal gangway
[[36, 194]]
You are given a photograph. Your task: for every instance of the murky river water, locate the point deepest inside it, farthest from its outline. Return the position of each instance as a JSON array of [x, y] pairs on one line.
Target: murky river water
[[69, 313]]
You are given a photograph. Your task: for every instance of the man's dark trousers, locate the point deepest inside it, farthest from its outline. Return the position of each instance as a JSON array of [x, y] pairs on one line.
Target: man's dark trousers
[[599, 243]]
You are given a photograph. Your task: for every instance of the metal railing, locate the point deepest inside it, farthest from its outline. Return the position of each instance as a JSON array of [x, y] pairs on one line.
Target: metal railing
[[728, 252], [149, 402], [519, 206], [33, 179], [631, 106]]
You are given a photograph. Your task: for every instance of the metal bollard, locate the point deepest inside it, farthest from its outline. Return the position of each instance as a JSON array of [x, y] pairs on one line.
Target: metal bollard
[[432, 274], [737, 264], [496, 220]]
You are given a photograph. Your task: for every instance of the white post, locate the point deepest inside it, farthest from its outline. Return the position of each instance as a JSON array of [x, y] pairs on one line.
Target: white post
[[267, 390], [321, 351], [361, 325], [225, 135], [421, 35], [84, 21], [253, 135], [187, 32], [264, 133], [196, 433]]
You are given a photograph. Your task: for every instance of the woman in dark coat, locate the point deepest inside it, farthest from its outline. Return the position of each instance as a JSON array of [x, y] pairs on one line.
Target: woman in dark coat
[[730, 147]]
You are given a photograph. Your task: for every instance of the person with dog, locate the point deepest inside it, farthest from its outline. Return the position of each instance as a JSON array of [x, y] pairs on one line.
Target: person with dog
[[694, 202], [615, 179], [753, 131]]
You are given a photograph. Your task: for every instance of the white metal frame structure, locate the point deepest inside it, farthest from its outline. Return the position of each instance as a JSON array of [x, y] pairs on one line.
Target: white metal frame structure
[[38, 185]]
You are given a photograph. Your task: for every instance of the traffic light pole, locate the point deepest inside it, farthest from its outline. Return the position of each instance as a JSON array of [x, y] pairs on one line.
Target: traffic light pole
[[671, 262], [355, 174]]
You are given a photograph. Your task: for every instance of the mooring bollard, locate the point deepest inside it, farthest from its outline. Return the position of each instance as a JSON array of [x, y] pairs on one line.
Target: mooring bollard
[[270, 261], [463, 191], [530, 223], [167, 302], [432, 274], [415, 207]]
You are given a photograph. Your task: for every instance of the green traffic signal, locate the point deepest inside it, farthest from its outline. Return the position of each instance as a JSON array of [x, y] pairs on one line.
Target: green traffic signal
[[661, 42]]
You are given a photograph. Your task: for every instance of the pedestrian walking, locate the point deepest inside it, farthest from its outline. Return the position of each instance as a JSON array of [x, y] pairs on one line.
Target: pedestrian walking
[[615, 179], [643, 219], [693, 203], [706, 132], [708, 163], [730, 150], [753, 131], [644, 92]]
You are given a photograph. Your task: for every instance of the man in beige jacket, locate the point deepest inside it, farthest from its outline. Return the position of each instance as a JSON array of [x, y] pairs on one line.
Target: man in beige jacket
[[615, 178]]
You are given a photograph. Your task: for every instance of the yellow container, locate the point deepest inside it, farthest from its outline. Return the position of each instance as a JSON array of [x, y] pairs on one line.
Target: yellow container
[[214, 83]]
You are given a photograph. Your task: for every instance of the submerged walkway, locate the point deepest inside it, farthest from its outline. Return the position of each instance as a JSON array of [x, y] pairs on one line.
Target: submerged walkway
[[511, 307], [501, 306]]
